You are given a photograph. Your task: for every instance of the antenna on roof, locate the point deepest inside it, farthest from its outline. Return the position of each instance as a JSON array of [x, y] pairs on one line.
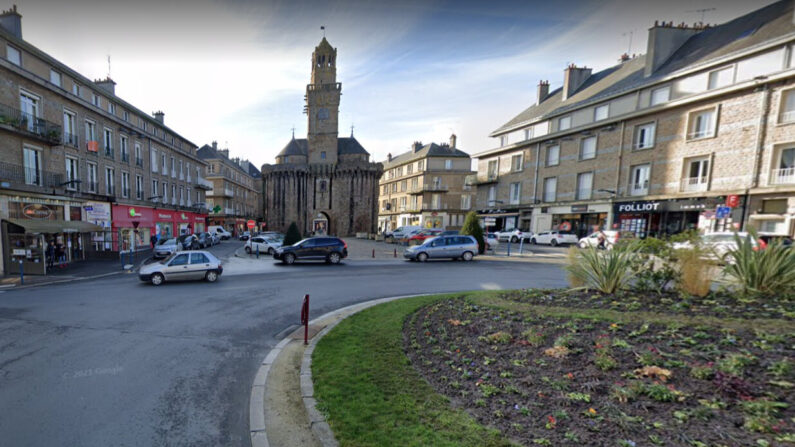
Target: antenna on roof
[[109, 66], [629, 47], [703, 12]]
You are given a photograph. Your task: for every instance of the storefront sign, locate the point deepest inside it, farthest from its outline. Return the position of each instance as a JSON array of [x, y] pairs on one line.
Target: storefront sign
[[639, 207], [163, 216], [36, 211], [579, 208], [97, 211]]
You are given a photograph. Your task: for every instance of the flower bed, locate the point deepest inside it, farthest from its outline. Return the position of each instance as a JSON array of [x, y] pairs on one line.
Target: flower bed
[[584, 379]]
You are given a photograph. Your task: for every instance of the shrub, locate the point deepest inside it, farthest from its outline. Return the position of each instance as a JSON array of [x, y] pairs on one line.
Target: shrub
[[472, 228], [604, 270], [694, 275], [653, 266], [768, 272], [292, 236]]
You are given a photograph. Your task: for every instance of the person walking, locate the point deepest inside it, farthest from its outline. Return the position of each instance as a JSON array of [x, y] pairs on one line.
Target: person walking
[[154, 240], [61, 254], [50, 254], [601, 239]]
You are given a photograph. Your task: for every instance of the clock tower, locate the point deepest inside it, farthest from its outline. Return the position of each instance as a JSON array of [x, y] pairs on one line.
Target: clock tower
[[322, 105]]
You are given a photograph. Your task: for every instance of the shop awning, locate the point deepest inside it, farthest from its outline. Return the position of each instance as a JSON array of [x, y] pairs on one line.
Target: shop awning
[[55, 226]]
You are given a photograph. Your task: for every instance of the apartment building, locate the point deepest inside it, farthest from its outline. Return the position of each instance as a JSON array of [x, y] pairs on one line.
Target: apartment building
[[426, 187], [698, 133], [81, 166], [235, 196]]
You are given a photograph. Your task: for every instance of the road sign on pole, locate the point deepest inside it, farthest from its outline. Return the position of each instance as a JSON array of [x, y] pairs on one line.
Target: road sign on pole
[[251, 224], [722, 212]]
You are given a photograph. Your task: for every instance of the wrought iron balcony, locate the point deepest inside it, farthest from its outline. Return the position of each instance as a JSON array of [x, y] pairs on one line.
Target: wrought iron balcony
[[70, 139], [109, 152], [21, 175], [125, 157], [139, 162], [29, 124], [694, 184]]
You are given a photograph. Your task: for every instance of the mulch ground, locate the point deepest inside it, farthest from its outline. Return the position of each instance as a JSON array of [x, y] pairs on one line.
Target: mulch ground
[[566, 381]]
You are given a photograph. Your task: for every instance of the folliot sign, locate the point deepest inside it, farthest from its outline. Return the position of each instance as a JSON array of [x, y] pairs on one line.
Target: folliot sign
[[639, 207]]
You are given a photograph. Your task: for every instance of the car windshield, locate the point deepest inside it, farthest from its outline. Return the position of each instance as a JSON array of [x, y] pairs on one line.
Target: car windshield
[[300, 242]]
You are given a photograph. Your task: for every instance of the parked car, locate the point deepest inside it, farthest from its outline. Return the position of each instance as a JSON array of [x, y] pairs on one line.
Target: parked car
[[244, 236], [205, 240], [444, 247], [166, 247], [554, 238], [189, 241], [420, 236], [513, 235], [401, 233], [182, 267], [215, 238], [611, 237], [491, 241], [220, 231], [265, 245], [329, 249], [717, 245], [449, 233]]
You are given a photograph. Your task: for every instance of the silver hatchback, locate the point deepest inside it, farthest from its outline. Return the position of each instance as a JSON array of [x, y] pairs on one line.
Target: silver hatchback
[[183, 266], [444, 247]]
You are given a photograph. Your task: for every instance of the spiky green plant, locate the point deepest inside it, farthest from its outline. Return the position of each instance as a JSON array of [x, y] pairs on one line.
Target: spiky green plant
[[604, 270], [765, 272]]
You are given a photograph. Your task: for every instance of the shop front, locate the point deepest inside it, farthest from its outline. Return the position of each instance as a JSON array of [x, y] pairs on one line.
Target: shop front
[[99, 213], [135, 226], [773, 214], [25, 243], [659, 218], [496, 220], [581, 220]]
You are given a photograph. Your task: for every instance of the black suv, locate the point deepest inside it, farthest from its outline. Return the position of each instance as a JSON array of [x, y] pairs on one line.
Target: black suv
[[329, 249]]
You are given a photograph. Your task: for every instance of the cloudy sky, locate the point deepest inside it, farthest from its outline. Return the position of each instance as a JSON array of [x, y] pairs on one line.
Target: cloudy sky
[[236, 71]]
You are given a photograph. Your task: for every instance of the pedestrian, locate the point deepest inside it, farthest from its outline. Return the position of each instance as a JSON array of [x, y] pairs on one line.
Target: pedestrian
[[154, 240], [601, 239], [50, 254], [61, 255]]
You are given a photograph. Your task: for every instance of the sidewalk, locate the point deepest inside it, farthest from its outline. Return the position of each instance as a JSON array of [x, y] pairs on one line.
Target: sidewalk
[[75, 271]]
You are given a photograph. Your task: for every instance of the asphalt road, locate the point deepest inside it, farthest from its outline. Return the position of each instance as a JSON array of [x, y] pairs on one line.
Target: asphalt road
[[115, 362]]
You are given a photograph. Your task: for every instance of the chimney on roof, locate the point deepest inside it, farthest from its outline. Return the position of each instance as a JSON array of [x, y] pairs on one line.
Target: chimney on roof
[[159, 116], [107, 84], [389, 156], [215, 145], [573, 78], [664, 40], [11, 21], [416, 146], [224, 152], [452, 141], [542, 91]]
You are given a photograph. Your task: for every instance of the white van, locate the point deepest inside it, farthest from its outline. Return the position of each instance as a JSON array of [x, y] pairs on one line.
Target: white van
[[219, 230], [403, 232]]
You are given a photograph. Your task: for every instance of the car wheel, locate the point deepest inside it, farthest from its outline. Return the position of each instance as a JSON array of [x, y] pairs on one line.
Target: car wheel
[[467, 256], [156, 279], [248, 250], [270, 251], [211, 276], [289, 258], [334, 258], [422, 257], [533, 241], [554, 242], [514, 239]]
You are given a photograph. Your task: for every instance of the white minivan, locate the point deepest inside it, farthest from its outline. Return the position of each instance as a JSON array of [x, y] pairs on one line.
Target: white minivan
[[220, 231], [403, 232]]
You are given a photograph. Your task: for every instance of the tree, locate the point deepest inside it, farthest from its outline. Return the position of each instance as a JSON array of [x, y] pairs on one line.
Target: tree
[[472, 228], [292, 236]]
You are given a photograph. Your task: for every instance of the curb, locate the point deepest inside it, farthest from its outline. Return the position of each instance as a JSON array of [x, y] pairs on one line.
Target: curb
[[317, 421]]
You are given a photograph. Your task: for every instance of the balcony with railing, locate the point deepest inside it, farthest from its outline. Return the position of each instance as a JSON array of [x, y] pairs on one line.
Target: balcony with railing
[[70, 139], [203, 183], [229, 192], [109, 152], [139, 194], [30, 125], [784, 176], [428, 187], [125, 157], [639, 189], [33, 177], [584, 193], [695, 184], [139, 162], [434, 206], [189, 179], [173, 200]]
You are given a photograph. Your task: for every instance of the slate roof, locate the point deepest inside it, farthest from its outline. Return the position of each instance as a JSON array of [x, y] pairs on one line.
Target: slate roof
[[707, 46], [429, 150], [345, 146], [207, 152]]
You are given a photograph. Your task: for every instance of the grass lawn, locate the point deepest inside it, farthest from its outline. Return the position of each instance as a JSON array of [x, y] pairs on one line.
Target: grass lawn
[[372, 395], [530, 368]]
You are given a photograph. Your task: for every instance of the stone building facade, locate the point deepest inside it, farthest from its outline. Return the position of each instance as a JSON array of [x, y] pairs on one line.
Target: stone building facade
[[323, 183], [427, 187], [660, 143]]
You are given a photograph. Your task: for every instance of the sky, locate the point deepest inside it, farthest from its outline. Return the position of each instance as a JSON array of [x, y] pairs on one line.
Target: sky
[[236, 71]]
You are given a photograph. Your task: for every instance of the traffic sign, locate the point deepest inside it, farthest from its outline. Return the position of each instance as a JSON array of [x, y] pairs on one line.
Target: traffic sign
[[733, 200], [251, 224], [722, 212], [490, 221]]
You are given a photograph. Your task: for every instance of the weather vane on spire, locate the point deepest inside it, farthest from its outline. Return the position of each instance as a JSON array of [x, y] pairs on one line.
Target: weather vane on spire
[[323, 28], [293, 129]]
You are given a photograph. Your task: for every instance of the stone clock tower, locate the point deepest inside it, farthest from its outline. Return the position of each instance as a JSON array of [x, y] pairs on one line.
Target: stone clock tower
[[323, 105], [323, 183]]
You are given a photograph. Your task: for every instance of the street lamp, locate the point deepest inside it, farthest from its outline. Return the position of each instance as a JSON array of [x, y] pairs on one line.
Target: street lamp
[[609, 191]]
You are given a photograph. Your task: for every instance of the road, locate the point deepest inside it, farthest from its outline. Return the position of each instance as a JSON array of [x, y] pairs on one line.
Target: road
[[115, 362]]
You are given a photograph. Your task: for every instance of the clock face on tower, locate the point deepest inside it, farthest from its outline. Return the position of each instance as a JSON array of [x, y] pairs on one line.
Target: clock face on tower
[[322, 114]]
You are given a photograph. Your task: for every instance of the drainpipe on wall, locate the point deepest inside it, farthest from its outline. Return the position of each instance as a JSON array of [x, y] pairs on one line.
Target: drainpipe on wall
[[610, 216], [761, 134], [535, 177]]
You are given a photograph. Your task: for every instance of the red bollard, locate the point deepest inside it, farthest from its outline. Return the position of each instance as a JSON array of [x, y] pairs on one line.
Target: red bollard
[[305, 318], [396, 252], [374, 252]]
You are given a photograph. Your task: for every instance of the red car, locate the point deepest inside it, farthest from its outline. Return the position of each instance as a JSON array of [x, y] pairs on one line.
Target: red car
[[420, 236]]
